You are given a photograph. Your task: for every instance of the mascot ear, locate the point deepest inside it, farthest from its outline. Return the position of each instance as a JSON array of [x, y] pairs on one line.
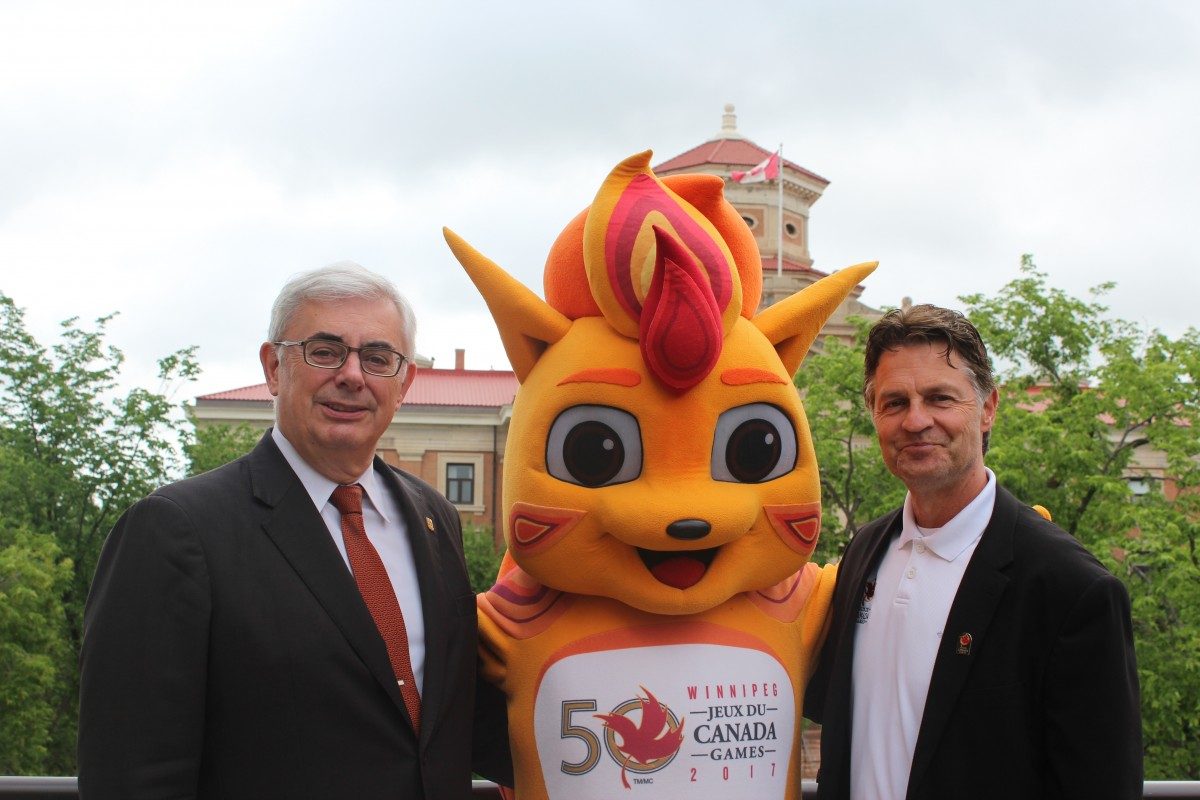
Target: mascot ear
[[793, 324], [527, 324]]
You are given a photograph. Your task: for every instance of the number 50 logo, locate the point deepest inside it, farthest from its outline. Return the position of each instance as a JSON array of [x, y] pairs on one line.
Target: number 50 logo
[[645, 746], [590, 740]]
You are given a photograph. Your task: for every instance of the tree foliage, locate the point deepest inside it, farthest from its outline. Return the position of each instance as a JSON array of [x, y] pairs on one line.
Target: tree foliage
[[210, 446], [483, 561], [1092, 409], [74, 453], [34, 656]]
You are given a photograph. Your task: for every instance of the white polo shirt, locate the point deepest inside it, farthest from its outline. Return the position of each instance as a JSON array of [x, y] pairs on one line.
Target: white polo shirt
[[385, 528], [899, 629]]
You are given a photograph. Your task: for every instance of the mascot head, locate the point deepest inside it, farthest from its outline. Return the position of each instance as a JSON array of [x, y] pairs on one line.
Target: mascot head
[[658, 452]]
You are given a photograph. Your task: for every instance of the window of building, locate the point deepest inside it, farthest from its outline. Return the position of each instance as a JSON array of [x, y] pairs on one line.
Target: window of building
[[751, 222], [1140, 486], [790, 228], [461, 477], [460, 484]]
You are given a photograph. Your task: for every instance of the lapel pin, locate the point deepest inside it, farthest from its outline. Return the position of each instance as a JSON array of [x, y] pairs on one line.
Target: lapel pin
[[964, 644], [864, 609], [429, 523]]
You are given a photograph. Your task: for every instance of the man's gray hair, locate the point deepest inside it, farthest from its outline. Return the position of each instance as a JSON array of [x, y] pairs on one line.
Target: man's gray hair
[[341, 281]]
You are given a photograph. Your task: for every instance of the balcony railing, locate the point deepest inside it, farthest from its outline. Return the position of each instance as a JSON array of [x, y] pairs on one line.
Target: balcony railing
[[43, 788]]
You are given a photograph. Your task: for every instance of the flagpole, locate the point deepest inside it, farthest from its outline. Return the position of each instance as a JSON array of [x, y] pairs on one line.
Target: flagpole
[[779, 251]]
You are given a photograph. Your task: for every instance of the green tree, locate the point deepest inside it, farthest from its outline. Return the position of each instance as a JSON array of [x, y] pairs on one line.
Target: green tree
[[1091, 409], [74, 453], [856, 487], [210, 446], [483, 562], [34, 653]]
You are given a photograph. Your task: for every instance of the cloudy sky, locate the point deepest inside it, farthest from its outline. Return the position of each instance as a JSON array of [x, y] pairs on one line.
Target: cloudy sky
[[177, 162]]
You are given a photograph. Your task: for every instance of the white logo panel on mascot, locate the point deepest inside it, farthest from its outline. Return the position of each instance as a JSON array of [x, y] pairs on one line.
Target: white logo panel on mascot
[[695, 719]]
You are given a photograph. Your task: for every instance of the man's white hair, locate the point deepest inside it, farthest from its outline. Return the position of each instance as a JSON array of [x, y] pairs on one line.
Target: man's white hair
[[341, 281]]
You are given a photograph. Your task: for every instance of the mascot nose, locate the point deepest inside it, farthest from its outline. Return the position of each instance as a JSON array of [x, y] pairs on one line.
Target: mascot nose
[[688, 529]]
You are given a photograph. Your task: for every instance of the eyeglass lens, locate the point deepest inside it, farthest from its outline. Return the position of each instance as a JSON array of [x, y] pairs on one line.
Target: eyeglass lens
[[331, 355]]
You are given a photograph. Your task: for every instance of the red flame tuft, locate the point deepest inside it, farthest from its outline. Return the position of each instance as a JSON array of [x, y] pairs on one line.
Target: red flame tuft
[[680, 326]]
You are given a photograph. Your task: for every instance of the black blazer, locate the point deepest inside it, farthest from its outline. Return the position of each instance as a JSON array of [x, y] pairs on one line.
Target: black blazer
[[227, 652], [1045, 702]]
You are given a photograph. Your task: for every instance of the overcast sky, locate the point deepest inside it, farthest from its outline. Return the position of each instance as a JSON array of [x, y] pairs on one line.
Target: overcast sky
[[178, 162]]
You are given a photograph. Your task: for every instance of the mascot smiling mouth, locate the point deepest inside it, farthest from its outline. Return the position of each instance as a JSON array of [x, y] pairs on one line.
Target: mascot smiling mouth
[[676, 568]]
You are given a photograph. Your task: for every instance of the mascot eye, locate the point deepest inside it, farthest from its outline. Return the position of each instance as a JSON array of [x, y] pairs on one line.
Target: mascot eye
[[594, 446], [753, 443]]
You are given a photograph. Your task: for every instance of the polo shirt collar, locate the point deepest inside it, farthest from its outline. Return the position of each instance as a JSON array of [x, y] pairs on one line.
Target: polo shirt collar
[[959, 534]]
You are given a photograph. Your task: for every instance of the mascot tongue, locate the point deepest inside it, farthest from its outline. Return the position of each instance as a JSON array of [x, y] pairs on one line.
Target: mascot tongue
[[679, 571]]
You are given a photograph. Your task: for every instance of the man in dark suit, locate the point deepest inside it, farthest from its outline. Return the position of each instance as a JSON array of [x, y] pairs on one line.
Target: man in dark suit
[[296, 624], [975, 649]]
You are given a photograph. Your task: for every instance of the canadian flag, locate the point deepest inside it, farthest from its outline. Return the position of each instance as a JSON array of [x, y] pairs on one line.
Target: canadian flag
[[763, 171]]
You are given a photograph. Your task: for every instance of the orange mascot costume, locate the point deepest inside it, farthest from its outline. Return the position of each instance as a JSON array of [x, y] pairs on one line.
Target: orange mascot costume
[[655, 619]]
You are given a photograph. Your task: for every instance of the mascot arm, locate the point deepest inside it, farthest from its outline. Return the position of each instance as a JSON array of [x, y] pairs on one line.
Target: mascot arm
[[494, 645], [816, 614]]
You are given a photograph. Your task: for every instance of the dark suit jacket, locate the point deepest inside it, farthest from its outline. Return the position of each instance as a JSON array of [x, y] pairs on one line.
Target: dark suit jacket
[[227, 652], [1045, 703]]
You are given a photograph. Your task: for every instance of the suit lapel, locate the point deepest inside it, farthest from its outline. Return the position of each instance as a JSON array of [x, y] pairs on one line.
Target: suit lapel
[[296, 528], [856, 581], [421, 526], [983, 584]]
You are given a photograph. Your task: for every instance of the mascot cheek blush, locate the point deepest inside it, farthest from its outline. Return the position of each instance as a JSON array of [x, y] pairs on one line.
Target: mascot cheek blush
[[656, 618]]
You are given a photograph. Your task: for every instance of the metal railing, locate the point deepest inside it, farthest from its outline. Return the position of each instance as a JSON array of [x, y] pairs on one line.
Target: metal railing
[[44, 788], [52, 788]]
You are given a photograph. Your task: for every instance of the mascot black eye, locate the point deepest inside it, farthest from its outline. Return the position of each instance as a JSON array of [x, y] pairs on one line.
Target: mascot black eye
[[594, 446], [753, 443]]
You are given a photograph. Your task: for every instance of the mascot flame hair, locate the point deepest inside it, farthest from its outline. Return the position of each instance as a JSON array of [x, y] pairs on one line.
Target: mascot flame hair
[[655, 618]]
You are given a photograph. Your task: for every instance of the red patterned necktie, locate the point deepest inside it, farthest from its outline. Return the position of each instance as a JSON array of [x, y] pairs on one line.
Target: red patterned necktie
[[376, 589]]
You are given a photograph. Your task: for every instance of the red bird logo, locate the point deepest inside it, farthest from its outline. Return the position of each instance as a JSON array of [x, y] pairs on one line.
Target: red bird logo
[[647, 746]]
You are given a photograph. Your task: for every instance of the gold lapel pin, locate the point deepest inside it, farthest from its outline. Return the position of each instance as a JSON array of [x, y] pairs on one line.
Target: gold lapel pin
[[964, 644], [429, 523]]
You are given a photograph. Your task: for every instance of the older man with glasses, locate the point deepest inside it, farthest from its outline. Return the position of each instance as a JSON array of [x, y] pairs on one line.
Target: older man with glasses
[[297, 623]]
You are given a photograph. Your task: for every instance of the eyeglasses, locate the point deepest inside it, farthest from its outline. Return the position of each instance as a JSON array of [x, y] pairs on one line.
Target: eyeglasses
[[328, 354]]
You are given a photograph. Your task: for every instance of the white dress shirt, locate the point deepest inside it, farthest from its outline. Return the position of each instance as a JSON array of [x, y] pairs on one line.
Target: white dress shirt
[[900, 626], [385, 528]]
